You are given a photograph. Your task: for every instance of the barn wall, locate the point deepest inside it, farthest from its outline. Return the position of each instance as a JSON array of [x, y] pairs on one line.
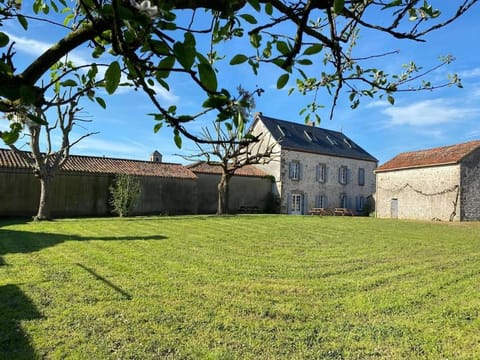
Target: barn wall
[[424, 193]]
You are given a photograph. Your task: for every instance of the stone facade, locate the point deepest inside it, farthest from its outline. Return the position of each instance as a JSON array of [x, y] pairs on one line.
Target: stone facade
[[470, 187], [424, 193], [330, 187]]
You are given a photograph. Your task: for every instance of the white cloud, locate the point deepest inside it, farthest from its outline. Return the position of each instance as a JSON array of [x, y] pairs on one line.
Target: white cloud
[[472, 73], [429, 112], [36, 48]]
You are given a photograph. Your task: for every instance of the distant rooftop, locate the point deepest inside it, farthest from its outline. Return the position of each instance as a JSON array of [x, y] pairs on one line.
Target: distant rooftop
[[307, 138], [105, 165], [444, 155], [204, 168]]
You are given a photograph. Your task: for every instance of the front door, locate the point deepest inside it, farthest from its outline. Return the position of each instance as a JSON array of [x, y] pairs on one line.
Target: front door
[[296, 208]]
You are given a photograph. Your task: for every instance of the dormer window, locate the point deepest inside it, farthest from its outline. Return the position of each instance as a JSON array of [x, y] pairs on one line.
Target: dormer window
[[331, 140], [283, 130], [309, 135], [347, 142]]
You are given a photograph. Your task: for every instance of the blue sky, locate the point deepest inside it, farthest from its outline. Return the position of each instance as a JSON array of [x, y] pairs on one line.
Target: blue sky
[[418, 120]]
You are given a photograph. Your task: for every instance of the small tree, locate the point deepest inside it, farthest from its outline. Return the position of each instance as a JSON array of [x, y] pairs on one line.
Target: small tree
[[124, 194]]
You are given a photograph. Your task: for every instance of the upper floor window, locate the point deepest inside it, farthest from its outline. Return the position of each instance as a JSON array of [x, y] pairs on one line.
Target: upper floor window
[[321, 173], [343, 175], [294, 170], [361, 176]]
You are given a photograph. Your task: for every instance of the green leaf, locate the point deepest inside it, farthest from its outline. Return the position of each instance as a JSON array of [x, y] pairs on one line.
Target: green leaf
[[282, 81], [249, 18], [283, 47], [314, 49], [9, 137], [238, 59], [185, 52], [255, 40], [391, 99], [392, 4], [338, 6], [177, 139], [23, 21], [165, 66], [255, 4], [112, 77], [4, 39], [69, 82], [208, 77], [157, 127], [268, 8], [101, 102]]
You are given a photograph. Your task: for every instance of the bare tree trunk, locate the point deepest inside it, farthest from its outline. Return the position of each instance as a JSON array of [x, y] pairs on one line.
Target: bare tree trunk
[[222, 206], [44, 204]]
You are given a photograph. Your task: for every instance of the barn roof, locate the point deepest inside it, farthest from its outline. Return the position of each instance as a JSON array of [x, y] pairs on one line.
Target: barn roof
[[445, 155], [305, 138], [104, 165], [202, 167]]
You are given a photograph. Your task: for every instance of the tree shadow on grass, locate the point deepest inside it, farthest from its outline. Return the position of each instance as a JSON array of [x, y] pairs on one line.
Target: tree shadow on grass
[[14, 307], [16, 241]]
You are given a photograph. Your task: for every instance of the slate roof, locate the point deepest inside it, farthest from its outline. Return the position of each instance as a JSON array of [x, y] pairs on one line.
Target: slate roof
[[202, 167], [312, 139], [445, 155], [105, 165]]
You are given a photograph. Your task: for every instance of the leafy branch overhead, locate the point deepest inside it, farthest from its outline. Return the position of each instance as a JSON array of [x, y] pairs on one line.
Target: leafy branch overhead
[[312, 43]]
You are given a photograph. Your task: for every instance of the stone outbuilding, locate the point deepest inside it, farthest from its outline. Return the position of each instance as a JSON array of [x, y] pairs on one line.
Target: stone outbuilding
[[315, 167], [435, 184]]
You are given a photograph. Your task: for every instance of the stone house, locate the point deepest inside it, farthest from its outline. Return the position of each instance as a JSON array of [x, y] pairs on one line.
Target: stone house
[[316, 167], [249, 188], [435, 184]]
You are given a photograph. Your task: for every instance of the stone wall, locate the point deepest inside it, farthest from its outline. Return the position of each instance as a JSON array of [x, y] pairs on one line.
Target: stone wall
[[243, 191], [470, 190], [308, 186], [424, 193], [87, 195]]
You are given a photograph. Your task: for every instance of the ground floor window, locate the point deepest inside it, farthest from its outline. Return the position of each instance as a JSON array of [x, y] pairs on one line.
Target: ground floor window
[[296, 204]]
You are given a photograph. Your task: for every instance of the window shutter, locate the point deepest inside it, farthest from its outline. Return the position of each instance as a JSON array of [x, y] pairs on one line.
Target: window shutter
[[300, 171], [340, 174], [326, 173], [357, 203], [317, 169], [349, 202], [289, 203], [349, 175], [305, 204], [290, 170], [317, 201], [325, 201]]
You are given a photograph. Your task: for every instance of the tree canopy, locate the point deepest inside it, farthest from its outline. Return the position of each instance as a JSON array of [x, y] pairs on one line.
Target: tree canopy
[[143, 43]]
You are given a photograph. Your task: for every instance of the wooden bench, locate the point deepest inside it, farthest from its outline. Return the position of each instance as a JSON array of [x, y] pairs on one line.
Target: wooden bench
[[318, 211], [342, 212], [249, 209]]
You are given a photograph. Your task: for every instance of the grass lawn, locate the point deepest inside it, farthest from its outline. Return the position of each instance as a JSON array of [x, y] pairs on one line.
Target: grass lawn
[[245, 287]]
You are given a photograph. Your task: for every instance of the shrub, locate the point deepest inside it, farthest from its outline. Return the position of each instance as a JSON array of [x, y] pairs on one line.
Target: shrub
[[124, 194]]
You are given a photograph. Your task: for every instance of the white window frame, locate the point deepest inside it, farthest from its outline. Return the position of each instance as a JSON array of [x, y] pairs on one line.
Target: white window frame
[[343, 175], [321, 173], [294, 170], [296, 205]]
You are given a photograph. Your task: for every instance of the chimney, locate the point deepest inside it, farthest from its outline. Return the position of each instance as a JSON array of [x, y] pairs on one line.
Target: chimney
[[311, 123], [156, 157]]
